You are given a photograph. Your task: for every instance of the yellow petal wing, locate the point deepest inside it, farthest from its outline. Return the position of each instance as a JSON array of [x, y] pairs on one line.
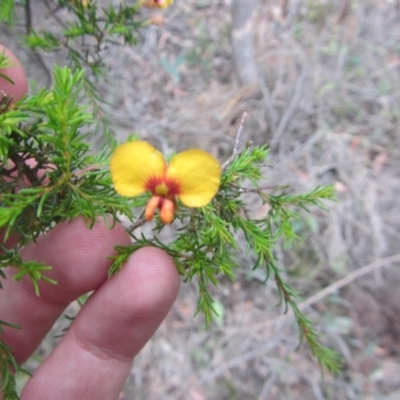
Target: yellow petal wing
[[156, 3], [133, 164], [198, 175]]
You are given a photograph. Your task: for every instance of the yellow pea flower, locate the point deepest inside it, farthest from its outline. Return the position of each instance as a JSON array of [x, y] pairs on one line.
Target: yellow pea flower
[[156, 3], [193, 176]]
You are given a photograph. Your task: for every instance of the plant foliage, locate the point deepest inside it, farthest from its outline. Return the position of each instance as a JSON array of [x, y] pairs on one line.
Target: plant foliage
[[48, 174]]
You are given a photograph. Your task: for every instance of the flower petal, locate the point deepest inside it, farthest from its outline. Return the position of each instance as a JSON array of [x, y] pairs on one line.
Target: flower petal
[[133, 164], [156, 3], [198, 174]]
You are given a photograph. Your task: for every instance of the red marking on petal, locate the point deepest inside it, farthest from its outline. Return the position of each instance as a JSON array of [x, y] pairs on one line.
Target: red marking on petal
[[153, 182], [173, 187]]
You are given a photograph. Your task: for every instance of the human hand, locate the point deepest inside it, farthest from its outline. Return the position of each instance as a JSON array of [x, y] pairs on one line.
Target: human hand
[[93, 359], [16, 73]]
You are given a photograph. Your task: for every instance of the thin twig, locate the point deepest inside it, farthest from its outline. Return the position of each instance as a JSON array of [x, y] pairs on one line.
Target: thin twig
[[258, 190], [28, 14], [29, 27], [139, 222], [348, 279], [5, 101], [237, 140], [23, 170], [291, 108], [329, 290], [53, 13], [239, 132], [268, 105], [85, 170]]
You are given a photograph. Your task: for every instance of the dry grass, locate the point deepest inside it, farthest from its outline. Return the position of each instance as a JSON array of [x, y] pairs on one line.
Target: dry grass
[[328, 103]]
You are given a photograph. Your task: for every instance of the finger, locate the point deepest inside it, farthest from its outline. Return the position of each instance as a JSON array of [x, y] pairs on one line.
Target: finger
[[79, 257], [16, 73], [93, 360]]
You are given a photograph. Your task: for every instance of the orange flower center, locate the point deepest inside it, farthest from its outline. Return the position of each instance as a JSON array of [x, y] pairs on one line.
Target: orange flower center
[[164, 191], [163, 186]]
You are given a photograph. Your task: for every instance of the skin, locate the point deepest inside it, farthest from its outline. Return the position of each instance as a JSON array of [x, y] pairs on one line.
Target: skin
[[17, 74], [94, 358]]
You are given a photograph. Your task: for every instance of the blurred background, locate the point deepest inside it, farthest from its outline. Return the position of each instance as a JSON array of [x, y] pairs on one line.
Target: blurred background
[[320, 81]]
